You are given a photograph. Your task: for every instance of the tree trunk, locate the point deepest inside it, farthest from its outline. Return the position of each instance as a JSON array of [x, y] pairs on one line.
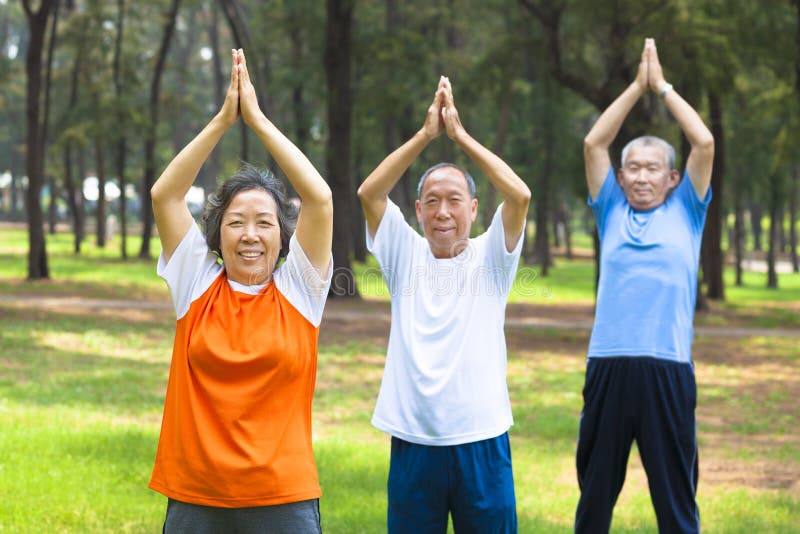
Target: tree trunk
[[738, 236], [503, 120], [541, 240], [15, 187], [774, 210], [51, 181], [74, 188], [567, 230], [301, 115], [74, 198], [711, 251], [555, 218], [152, 129], [241, 35], [793, 200], [100, 170], [338, 54], [80, 163], [701, 304], [183, 53], [796, 175], [122, 141], [756, 213], [359, 232], [34, 157], [208, 179], [392, 138]]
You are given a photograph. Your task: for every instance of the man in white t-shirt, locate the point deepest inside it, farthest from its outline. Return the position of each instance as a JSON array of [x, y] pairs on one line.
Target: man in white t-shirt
[[444, 398]]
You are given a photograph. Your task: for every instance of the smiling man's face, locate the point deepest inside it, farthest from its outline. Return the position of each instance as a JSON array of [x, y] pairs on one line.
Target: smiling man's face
[[446, 211], [646, 178]]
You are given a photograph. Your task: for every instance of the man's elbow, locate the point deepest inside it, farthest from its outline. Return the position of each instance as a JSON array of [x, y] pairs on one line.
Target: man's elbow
[[525, 196], [590, 146], [521, 198], [364, 194], [155, 193], [706, 143]]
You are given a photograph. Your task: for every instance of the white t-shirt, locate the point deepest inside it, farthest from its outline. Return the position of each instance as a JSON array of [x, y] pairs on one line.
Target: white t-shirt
[[193, 267], [445, 377]]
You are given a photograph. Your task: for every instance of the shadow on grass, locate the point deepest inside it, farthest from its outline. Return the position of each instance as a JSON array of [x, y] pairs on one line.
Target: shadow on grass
[[125, 373]]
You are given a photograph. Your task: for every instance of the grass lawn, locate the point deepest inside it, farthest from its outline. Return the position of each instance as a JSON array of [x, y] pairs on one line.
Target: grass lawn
[[81, 394]]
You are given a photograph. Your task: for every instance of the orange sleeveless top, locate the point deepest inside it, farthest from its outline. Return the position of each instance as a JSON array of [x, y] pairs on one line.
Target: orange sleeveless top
[[236, 430]]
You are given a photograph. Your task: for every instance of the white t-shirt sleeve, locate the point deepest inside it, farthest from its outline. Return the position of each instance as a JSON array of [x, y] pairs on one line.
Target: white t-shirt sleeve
[[301, 283], [502, 262], [189, 271], [391, 245]]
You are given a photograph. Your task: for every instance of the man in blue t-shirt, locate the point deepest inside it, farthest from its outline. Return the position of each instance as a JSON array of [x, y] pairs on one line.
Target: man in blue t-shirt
[[639, 375]]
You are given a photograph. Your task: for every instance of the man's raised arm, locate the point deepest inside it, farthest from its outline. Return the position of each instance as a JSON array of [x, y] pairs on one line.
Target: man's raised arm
[[605, 130], [701, 156], [516, 194]]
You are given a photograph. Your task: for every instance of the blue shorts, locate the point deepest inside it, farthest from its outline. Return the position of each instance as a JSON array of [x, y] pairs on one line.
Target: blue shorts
[[473, 482]]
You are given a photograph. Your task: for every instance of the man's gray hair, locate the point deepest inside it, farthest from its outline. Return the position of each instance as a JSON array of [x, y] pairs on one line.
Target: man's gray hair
[[651, 140], [470, 181]]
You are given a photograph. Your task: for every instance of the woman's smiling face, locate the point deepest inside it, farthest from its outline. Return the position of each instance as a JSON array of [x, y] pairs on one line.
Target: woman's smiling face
[[250, 237]]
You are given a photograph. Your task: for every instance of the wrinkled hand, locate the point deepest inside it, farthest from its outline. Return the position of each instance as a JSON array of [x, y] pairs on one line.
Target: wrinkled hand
[[248, 100], [452, 123], [229, 113], [655, 76], [434, 126]]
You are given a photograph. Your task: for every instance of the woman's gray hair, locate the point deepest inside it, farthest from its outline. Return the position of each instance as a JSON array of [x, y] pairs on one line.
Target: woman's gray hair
[[470, 181], [248, 178], [651, 140]]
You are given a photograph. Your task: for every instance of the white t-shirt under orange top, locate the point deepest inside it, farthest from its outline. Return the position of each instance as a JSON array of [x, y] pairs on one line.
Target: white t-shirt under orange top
[[445, 376], [236, 430]]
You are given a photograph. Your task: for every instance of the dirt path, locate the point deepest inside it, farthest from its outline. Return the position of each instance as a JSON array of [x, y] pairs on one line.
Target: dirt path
[[572, 317]]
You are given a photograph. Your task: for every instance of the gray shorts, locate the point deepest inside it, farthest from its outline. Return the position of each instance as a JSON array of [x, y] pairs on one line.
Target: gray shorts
[[291, 518]]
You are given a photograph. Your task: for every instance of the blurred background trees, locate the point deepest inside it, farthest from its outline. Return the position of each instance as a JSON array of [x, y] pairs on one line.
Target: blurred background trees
[[96, 97]]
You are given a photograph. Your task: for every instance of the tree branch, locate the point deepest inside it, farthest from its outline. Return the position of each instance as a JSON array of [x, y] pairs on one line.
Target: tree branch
[[550, 18]]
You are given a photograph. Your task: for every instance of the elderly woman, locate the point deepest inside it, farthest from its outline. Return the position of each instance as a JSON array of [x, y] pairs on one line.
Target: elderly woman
[[235, 451]]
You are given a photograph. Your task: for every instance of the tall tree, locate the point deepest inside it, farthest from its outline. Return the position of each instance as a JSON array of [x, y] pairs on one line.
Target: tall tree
[[338, 53], [544, 203], [50, 177], [73, 188], [237, 22], [100, 171], [121, 145], [208, 179], [711, 252], [152, 128], [34, 157], [795, 188]]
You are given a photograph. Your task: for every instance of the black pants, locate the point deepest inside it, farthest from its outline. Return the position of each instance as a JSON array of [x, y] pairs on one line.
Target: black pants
[[652, 401]]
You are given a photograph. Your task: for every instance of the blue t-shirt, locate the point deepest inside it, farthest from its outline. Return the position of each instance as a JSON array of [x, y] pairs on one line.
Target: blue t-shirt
[[648, 273]]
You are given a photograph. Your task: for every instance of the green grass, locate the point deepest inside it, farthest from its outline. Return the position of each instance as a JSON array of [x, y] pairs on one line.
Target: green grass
[[81, 395], [96, 271], [754, 287]]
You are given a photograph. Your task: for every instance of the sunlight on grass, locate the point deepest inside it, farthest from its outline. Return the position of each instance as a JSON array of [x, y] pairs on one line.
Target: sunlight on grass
[[81, 395]]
